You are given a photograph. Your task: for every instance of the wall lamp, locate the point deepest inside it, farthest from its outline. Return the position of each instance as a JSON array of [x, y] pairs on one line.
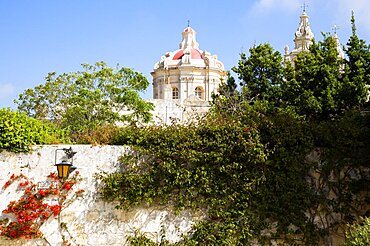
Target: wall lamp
[[65, 167]]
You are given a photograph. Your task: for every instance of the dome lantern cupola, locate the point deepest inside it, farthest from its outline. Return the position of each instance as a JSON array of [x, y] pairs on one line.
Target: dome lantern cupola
[[188, 39]]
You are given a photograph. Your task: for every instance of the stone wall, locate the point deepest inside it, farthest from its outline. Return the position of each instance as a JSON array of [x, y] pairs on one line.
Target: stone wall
[[178, 111], [89, 220]]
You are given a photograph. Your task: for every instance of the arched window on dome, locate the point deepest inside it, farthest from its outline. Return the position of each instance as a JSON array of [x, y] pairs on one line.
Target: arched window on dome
[[175, 93], [199, 92]]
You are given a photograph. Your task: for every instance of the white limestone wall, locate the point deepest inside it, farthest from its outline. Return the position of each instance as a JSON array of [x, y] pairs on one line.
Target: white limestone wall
[[89, 220], [167, 112]]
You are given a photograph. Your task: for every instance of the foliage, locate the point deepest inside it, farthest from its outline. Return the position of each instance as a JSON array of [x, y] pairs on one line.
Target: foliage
[[320, 85], [97, 135], [31, 210], [261, 72], [141, 240], [359, 234], [18, 131], [229, 88], [86, 99], [224, 165], [254, 171], [333, 185], [314, 85], [341, 176], [193, 167], [357, 70], [229, 98]]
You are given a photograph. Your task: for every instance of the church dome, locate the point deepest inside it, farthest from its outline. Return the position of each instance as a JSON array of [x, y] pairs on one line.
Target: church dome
[[187, 75]]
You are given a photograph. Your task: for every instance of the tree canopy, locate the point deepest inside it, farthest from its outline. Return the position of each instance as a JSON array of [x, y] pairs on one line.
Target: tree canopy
[[18, 132], [89, 98], [261, 73], [357, 71], [313, 87], [320, 84]]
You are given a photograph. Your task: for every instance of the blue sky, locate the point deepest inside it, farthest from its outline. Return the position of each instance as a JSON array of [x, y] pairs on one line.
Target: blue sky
[[42, 36]]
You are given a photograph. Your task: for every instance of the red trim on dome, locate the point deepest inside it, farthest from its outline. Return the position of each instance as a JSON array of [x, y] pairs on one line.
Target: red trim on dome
[[195, 54], [178, 55]]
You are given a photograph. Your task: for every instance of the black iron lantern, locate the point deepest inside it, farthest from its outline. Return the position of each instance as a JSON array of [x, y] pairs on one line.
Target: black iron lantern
[[65, 167]]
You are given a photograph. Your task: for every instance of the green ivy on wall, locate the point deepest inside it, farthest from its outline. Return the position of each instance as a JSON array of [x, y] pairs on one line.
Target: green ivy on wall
[[250, 171]]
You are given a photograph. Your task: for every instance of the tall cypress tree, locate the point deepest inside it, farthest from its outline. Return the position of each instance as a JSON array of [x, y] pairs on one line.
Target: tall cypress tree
[[357, 71]]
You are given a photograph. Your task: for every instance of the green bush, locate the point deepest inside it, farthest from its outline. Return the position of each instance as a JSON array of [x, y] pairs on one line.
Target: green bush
[[98, 135], [141, 240], [18, 132], [359, 234]]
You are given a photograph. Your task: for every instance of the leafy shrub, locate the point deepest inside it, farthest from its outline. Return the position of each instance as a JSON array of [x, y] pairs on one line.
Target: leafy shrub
[[97, 135], [359, 234], [18, 132], [141, 240]]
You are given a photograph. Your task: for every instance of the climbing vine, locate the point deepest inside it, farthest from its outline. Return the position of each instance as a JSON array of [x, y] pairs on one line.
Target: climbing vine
[[262, 174], [214, 166]]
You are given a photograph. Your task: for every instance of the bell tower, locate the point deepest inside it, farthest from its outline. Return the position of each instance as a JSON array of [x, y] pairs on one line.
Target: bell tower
[[303, 37]]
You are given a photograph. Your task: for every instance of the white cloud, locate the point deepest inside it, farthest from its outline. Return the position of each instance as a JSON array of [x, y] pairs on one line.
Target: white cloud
[[264, 5], [6, 90]]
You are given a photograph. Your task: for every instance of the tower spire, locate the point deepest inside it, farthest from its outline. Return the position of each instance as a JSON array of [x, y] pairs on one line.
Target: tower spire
[[337, 41], [303, 37]]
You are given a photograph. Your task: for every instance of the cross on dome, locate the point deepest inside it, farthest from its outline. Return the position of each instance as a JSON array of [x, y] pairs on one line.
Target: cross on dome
[[335, 29], [304, 6]]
